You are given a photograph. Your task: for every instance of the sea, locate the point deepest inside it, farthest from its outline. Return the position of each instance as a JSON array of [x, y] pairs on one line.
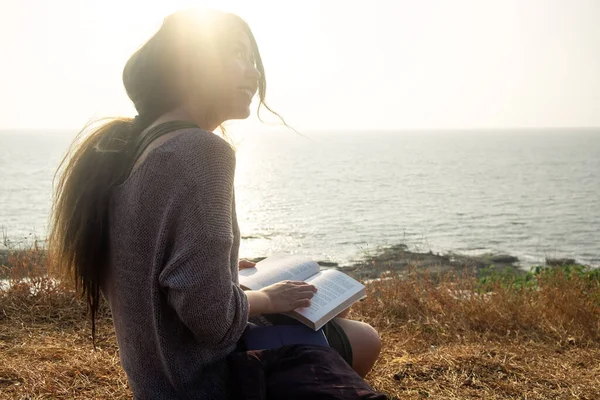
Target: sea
[[341, 195]]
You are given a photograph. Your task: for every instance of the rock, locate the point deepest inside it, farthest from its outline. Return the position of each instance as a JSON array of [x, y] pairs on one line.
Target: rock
[[559, 262], [327, 264], [4, 256], [399, 247], [504, 259], [458, 260]]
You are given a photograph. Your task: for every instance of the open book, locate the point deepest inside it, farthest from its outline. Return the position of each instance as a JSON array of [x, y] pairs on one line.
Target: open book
[[336, 291]]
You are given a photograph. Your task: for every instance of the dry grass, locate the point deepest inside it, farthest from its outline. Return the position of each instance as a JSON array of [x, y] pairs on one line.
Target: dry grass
[[447, 341], [443, 339]]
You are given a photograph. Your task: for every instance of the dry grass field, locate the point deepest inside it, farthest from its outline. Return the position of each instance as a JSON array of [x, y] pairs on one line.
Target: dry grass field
[[444, 337]]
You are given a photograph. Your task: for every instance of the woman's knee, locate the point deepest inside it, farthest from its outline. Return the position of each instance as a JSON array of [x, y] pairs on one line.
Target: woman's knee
[[365, 342], [371, 339], [361, 333]]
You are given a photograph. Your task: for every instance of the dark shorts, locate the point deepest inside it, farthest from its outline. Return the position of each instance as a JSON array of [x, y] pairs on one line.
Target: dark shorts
[[334, 333]]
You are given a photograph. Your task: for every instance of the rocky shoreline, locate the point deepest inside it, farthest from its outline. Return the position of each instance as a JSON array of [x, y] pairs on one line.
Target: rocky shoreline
[[399, 260]]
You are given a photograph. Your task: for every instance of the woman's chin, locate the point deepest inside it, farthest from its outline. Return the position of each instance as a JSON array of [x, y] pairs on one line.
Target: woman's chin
[[241, 113]]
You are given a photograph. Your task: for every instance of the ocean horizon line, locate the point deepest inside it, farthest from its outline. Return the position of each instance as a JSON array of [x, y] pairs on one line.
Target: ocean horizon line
[[267, 127]]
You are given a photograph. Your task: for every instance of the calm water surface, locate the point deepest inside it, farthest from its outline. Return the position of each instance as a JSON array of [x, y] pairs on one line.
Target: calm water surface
[[335, 196]]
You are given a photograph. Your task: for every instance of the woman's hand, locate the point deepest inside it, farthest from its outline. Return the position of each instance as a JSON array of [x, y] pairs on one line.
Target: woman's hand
[[243, 264], [287, 296]]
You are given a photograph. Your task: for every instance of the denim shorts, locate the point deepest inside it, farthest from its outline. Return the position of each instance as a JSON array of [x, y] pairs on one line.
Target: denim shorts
[[334, 333]]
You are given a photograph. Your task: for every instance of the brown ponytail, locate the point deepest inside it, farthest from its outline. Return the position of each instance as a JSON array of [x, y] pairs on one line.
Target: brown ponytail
[[78, 240]]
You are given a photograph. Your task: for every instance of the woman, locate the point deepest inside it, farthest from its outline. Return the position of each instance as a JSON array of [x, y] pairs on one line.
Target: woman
[[145, 213]]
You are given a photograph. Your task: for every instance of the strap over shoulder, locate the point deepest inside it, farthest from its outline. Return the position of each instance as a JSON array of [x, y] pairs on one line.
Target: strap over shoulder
[[143, 140]]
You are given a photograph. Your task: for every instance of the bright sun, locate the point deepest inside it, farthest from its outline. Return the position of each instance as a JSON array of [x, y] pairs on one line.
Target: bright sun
[[116, 35]]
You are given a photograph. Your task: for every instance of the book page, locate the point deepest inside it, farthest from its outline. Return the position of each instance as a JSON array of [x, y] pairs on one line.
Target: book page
[[333, 288], [276, 269]]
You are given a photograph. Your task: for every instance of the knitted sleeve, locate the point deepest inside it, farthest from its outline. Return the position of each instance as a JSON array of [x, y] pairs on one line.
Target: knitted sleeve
[[197, 276]]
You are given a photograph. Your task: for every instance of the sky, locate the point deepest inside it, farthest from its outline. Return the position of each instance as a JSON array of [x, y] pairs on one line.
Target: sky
[[378, 64]]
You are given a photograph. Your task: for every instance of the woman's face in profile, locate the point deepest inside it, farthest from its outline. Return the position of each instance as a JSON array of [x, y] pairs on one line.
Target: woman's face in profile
[[239, 77]]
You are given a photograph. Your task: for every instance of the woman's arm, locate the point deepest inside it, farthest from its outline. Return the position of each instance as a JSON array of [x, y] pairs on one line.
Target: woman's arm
[[258, 302], [197, 274], [200, 289]]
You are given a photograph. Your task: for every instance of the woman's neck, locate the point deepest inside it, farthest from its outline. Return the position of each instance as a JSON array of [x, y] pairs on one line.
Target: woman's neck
[[181, 114]]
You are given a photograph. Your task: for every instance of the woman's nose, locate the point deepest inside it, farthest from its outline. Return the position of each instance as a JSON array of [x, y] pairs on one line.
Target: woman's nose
[[253, 73]]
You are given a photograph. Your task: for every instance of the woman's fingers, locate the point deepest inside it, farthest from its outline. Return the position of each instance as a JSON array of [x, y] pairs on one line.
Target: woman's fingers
[[300, 283], [296, 283], [302, 291], [243, 264], [289, 295], [302, 299], [301, 303], [306, 294]]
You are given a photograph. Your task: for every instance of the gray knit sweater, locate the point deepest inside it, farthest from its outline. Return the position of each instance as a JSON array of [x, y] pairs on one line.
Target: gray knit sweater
[[172, 283]]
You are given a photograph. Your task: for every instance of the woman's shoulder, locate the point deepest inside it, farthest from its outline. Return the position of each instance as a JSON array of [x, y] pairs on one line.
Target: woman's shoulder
[[187, 153], [191, 142], [197, 151]]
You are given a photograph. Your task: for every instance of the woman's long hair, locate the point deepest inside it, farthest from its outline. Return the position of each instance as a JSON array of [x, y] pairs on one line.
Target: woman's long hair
[[96, 162]]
